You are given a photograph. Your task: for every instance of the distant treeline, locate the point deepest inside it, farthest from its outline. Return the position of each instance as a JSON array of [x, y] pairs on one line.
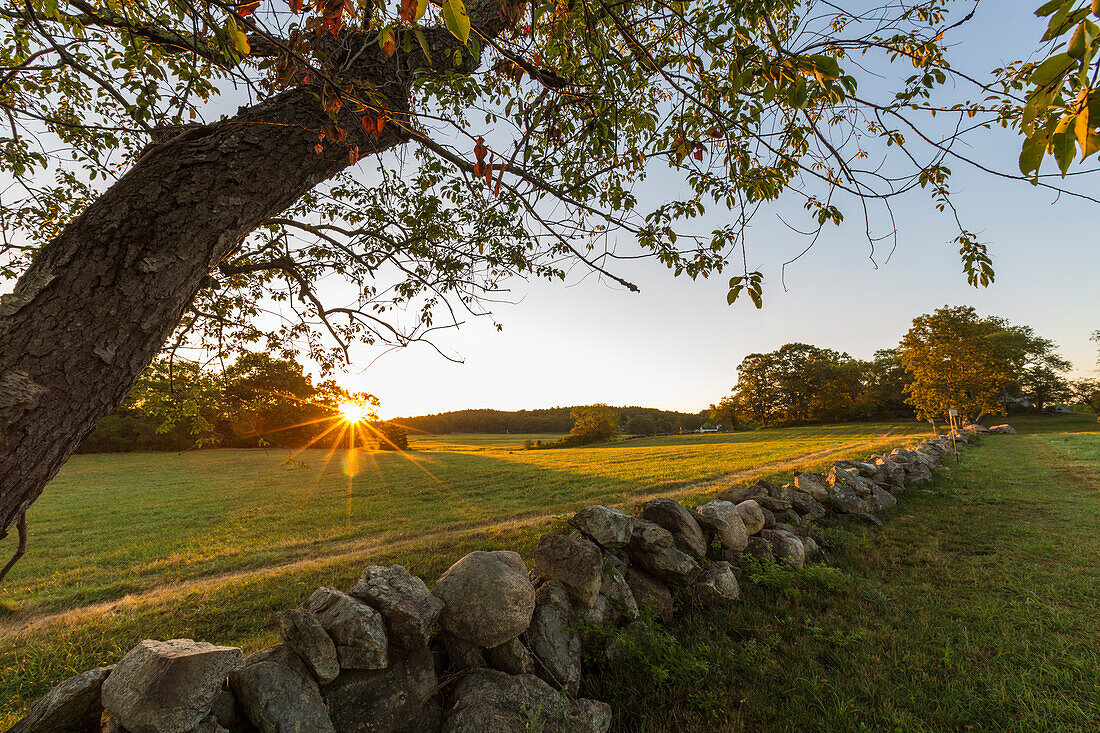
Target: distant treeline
[[634, 420]]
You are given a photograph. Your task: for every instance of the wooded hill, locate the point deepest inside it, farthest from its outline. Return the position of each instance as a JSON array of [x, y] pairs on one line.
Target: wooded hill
[[643, 420]]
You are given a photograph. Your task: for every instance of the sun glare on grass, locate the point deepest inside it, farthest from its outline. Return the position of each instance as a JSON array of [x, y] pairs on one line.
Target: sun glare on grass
[[352, 412]]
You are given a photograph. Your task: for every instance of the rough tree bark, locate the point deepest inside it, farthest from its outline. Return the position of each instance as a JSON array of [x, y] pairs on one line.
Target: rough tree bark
[[99, 301]]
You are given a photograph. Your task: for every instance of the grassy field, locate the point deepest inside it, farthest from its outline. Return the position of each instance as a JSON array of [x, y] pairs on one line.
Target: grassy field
[[210, 544], [976, 607]]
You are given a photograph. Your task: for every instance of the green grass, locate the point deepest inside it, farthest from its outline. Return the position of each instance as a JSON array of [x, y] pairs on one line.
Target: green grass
[[210, 544], [976, 607]]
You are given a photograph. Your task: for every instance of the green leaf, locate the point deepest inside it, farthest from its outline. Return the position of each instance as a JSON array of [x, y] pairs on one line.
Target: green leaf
[[1049, 7], [456, 19], [1031, 157], [423, 44], [1056, 66], [1065, 146], [421, 8]]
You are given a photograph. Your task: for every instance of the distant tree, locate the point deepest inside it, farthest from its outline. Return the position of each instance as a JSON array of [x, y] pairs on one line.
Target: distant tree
[[641, 425], [593, 424], [392, 437], [725, 412], [1085, 392], [958, 359], [885, 379]]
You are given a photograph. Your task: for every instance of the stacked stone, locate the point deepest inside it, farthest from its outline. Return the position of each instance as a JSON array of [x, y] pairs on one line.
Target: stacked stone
[[488, 648]]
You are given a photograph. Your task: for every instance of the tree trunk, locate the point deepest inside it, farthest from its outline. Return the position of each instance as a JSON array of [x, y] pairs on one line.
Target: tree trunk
[[99, 301]]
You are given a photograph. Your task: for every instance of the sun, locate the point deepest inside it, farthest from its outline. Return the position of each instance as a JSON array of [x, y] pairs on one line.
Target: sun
[[352, 412]]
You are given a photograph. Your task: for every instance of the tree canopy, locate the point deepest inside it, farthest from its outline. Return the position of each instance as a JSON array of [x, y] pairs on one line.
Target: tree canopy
[[958, 359], [391, 166]]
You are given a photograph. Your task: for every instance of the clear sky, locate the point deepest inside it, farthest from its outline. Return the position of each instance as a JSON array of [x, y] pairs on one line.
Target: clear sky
[[676, 344]]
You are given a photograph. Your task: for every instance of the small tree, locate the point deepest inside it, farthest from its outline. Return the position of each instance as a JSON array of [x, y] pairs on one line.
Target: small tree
[[959, 359], [593, 424], [392, 437]]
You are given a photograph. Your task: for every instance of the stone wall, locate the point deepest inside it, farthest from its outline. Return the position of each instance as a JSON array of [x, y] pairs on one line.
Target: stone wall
[[492, 647]]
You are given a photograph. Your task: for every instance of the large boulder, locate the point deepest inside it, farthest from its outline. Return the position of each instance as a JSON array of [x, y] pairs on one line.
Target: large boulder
[[653, 547], [384, 700], [716, 585], [752, 515], [553, 638], [278, 694], [357, 629], [786, 546], [167, 686], [649, 591], [71, 707], [303, 633], [489, 598], [893, 472], [813, 484], [1003, 430], [488, 700], [462, 654], [409, 608], [673, 516], [574, 561], [723, 518], [608, 527], [917, 474]]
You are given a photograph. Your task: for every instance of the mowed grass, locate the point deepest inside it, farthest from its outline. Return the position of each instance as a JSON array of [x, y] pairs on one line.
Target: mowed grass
[[209, 545], [976, 607]]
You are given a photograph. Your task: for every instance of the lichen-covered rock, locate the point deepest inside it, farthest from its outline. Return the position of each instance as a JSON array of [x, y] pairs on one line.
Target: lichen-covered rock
[[717, 584], [614, 587], [384, 700], [553, 638], [608, 527], [305, 635], [489, 598], [278, 694], [512, 657], [843, 496], [737, 494], [357, 629], [810, 547], [71, 707], [752, 515], [813, 484], [673, 516], [917, 474], [653, 547], [806, 505], [723, 518], [648, 590], [1003, 430], [760, 549], [883, 499], [167, 686], [773, 504], [574, 561], [786, 546], [488, 700], [410, 609]]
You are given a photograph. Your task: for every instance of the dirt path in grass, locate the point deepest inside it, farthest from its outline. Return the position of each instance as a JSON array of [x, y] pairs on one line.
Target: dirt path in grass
[[358, 551]]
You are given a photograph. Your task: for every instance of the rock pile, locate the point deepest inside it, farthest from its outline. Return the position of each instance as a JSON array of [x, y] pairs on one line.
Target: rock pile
[[491, 646]]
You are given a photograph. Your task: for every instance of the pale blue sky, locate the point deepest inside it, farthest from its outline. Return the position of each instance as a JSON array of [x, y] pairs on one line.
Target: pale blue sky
[[676, 345]]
